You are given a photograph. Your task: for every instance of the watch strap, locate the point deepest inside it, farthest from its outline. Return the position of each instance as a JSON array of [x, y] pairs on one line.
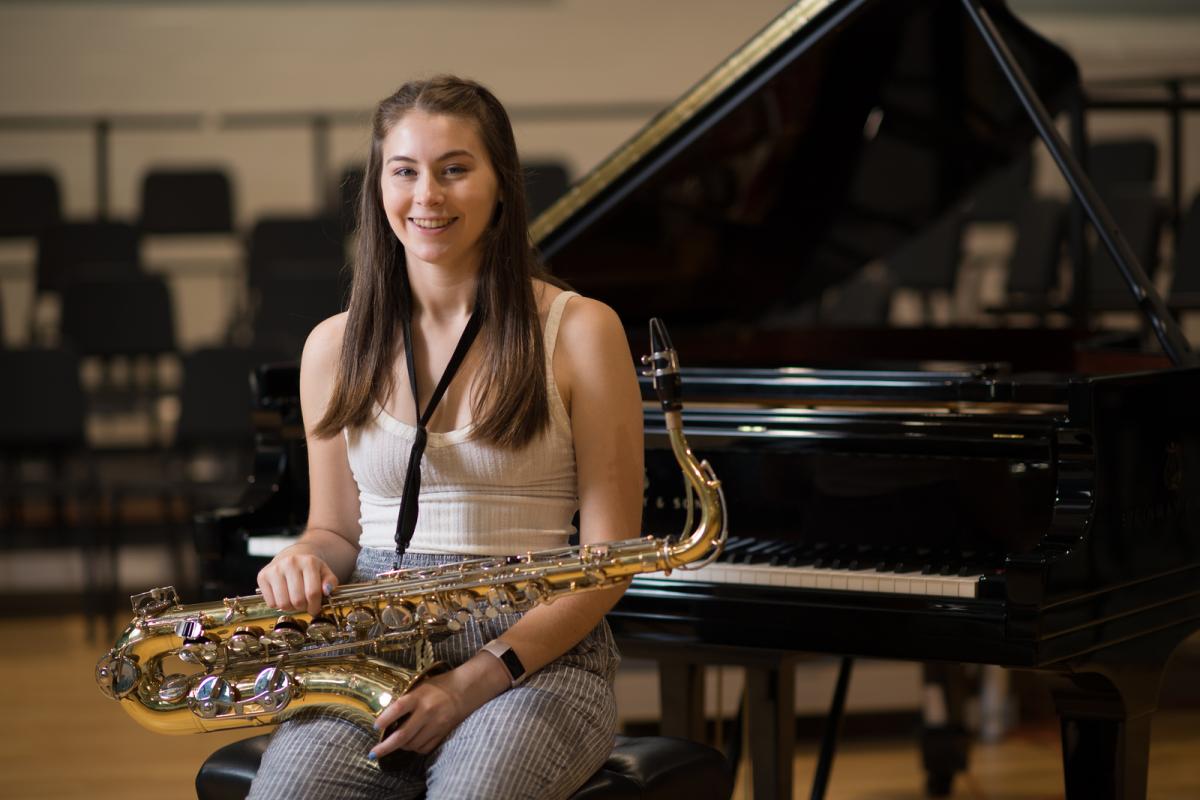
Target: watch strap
[[508, 657]]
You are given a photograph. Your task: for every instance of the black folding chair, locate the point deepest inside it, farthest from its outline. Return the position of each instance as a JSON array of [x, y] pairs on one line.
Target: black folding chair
[[186, 201], [29, 203], [49, 488]]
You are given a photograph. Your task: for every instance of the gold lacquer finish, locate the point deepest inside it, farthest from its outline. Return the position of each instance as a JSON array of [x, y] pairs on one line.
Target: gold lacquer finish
[[239, 663]]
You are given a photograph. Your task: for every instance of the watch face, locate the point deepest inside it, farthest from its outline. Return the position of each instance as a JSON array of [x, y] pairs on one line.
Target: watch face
[[515, 668]]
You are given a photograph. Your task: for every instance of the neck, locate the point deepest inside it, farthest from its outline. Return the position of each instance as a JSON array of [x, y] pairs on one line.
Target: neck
[[442, 294]]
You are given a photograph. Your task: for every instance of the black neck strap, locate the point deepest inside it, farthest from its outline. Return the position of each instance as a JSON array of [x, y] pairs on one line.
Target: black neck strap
[[406, 523]]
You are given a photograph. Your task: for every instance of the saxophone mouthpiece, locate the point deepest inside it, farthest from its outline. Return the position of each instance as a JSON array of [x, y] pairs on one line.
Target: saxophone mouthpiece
[[663, 367]]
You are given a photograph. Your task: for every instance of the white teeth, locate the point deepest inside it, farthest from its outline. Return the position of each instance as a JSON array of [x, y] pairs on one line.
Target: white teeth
[[432, 224]]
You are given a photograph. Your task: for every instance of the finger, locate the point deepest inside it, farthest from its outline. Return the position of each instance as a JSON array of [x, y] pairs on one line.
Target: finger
[[295, 590], [329, 581], [401, 706], [279, 592], [399, 740], [312, 589], [264, 586]]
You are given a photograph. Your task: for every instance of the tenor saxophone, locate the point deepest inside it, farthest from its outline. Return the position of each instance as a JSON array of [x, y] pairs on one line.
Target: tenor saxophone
[[239, 663]]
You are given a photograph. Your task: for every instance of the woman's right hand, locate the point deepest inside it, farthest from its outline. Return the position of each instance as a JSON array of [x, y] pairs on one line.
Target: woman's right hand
[[296, 580]]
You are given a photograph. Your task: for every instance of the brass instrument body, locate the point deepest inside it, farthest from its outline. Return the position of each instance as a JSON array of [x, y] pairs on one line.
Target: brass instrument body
[[255, 665]]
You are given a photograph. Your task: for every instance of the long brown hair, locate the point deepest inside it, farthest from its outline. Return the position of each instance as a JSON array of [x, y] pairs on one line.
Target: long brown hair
[[510, 402]]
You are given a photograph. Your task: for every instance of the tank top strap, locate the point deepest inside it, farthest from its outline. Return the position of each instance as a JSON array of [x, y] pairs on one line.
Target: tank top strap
[[557, 306], [558, 410]]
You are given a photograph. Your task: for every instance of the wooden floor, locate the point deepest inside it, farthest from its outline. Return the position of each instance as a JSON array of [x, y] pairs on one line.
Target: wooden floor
[[63, 739]]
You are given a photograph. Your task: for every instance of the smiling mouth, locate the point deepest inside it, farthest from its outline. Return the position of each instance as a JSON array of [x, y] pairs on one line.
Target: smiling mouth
[[432, 224]]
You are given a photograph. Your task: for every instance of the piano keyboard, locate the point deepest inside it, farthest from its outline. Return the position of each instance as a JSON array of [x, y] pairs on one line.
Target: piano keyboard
[[749, 562]]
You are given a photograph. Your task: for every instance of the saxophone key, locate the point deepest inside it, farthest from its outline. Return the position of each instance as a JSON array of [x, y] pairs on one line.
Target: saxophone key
[[288, 632], [213, 697], [204, 650], [246, 640], [273, 688], [117, 675], [397, 616], [360, 621], [322, 630], [174, 687]]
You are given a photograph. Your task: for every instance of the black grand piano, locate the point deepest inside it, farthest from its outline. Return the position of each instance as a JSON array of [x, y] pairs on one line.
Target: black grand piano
[[1021, 502]]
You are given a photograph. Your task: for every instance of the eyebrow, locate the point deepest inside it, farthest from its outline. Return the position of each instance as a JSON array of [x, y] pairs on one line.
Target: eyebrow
[[442, 157]]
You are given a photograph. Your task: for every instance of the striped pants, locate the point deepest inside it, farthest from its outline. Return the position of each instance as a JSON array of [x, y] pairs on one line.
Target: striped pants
[[542, 739]]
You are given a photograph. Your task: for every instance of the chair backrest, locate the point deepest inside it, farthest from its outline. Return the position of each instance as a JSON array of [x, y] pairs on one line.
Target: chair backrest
[[863, 301], [1001, 197], [75, 251], [290, 308], [545, 182], [1033, 267], [1138, 214], [216, 399], [930, 260], [1115, 163], [123, 317], [42, 405], [29, 203], [284, 247], [186, 201], [1187, 252]]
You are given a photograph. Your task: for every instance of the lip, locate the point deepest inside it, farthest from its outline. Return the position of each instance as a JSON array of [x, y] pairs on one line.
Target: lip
[[432, 231]]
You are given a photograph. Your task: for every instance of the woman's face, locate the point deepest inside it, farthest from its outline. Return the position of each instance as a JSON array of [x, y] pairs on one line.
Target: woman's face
[[439, 189]]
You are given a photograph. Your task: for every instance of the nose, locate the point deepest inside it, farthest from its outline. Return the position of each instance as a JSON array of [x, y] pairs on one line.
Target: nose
[[428, 190]]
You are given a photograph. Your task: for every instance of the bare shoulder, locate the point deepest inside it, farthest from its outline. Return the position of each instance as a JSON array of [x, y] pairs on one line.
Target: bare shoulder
[[591, 336], [324, 342], [318, 365]]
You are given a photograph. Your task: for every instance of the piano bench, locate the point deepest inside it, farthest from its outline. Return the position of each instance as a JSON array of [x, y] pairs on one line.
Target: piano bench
[[639, 768]]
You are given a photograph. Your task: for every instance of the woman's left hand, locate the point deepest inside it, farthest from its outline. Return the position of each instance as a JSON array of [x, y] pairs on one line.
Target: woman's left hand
[[437, 704]]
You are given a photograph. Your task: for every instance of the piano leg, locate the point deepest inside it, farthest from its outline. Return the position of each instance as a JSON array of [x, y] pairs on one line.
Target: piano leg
[[681, 696], [1106, 705], [944, 739], [1106, 745], [771, 720]]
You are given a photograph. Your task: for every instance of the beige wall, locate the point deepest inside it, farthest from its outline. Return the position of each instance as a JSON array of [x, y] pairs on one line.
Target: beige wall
[[220, 57]]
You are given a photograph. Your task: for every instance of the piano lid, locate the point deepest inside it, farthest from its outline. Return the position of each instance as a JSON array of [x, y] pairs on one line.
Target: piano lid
[[823, 144]]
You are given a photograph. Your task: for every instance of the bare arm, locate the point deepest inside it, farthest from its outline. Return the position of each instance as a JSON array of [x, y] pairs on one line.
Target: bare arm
[[325, 554], [595, 375]]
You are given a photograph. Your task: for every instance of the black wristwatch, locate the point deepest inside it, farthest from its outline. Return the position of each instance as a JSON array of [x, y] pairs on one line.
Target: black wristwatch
[[508, 657]]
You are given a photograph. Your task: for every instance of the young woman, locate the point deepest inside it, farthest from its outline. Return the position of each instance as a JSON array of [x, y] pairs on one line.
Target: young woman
[[541, 417]]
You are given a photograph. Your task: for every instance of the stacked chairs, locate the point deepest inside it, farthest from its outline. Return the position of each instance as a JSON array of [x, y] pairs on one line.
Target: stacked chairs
[[928, 264], [29, 203], [1032, 273], [49, 484], [204, 465], [297, 277], [70, 252], [1138, 214], [186, 202]]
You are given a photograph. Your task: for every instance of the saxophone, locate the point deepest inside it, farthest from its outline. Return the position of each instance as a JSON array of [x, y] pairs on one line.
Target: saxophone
[[239, 663]]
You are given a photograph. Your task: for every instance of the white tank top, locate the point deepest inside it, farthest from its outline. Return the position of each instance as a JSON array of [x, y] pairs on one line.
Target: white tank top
[[476, 499]]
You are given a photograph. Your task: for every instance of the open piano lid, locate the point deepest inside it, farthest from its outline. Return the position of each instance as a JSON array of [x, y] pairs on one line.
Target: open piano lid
[[825, 143]]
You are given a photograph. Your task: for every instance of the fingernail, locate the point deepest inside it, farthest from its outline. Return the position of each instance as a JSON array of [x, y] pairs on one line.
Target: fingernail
[[371, 756], [328, 589]]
